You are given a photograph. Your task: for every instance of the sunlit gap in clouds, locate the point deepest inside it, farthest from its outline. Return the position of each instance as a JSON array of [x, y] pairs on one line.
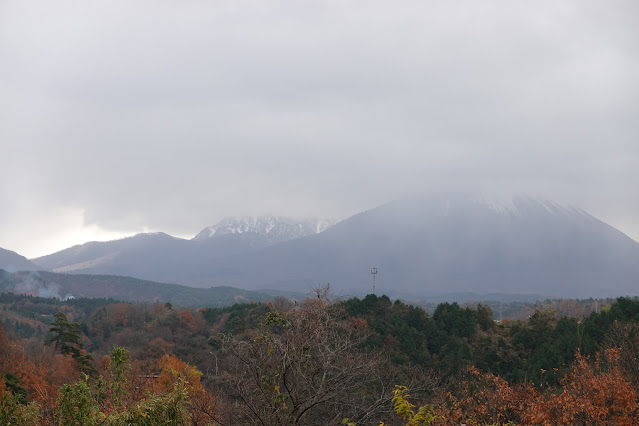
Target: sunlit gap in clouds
[[65, 228]]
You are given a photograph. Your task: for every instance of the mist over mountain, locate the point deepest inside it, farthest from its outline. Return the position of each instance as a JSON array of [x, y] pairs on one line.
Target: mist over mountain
[[12, 261], [448, 244], [422, 246]]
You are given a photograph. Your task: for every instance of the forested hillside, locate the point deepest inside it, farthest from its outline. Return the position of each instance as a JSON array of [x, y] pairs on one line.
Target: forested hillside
[[66, 286], [319, 361]]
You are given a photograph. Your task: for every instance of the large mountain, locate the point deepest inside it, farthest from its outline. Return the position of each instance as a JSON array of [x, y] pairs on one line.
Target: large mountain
[[12, 261], [449, 244], [161, 257], [421, 247]]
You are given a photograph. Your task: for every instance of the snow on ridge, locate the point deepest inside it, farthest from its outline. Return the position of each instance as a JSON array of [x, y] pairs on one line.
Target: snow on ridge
[[323, 224], [277, 227], [501, 205], [518, 204]]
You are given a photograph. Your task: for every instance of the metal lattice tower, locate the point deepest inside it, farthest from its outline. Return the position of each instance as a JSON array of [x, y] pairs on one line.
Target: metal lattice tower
[[374, 274]]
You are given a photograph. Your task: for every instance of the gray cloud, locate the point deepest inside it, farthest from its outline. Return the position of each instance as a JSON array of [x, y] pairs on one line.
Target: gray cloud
[[167, 116]]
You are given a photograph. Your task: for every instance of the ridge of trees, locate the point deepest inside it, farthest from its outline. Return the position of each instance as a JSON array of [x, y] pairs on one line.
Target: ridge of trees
[[321, 361]]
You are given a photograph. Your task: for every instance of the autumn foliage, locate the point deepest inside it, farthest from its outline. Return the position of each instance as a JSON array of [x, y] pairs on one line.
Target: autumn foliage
[[317, 362], [31, 377], [594, 392], [57, 393]]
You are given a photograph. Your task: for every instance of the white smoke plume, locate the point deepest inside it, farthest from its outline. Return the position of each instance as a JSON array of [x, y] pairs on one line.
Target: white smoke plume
[[33, 284]]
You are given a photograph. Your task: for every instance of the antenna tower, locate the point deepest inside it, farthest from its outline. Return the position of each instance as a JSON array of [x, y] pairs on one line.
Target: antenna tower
[[374, 274]]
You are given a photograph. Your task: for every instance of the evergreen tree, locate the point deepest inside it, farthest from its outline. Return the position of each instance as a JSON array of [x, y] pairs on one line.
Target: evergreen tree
[[67, 339]]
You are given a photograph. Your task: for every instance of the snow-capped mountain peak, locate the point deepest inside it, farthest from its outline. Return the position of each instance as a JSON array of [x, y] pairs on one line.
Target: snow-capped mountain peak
[[275, 228]]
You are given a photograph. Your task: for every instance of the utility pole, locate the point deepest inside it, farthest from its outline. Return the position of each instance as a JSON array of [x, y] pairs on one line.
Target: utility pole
[[374, 274]]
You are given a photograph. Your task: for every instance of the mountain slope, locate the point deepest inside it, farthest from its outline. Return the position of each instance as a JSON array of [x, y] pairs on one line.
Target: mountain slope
[[148, 256], [161, 257], [12, 261], [445, 244], [421, 247]]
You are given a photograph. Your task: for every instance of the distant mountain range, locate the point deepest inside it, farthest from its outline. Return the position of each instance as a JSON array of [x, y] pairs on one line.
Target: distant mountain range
[[420, 247], [161, 257]]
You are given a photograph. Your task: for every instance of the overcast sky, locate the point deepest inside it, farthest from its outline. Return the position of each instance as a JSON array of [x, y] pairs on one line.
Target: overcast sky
[[119, 117]]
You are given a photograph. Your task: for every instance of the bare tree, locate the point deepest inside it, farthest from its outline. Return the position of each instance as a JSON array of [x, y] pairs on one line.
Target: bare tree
[[306, 366], [283, 304]]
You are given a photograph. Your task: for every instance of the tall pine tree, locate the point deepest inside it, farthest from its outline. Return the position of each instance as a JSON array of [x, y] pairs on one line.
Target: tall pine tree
[[67, 339]]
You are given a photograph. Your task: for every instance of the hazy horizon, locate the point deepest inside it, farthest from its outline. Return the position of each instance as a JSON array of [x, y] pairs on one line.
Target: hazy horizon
[[498, 199]]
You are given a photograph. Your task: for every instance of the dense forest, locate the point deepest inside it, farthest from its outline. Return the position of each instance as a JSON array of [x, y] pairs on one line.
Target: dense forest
[[317, 361]]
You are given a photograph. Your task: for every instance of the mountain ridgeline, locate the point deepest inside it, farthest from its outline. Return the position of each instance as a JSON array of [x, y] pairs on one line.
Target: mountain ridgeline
[[12, 261], [161, 257], [73, 286], [421, 247]]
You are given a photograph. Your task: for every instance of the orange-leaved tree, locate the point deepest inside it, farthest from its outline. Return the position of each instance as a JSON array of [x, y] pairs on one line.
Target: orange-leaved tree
[[174, 370], [593, 392], [24, 372], [488, 399]]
